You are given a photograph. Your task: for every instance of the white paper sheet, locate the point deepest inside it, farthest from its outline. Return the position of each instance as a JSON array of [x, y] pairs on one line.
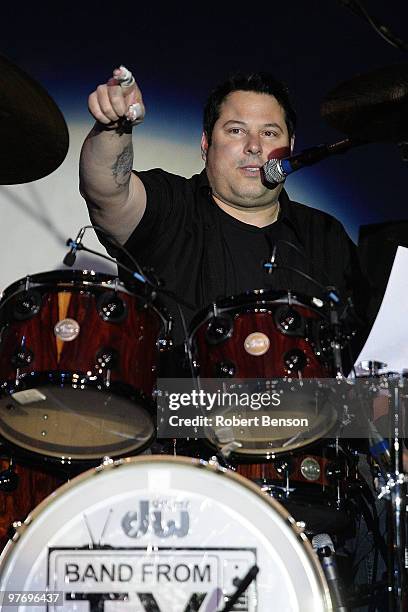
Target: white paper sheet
[[388, 339]]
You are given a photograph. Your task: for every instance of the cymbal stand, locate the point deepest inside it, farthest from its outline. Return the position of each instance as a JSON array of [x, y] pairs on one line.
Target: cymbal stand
[[395, 492]]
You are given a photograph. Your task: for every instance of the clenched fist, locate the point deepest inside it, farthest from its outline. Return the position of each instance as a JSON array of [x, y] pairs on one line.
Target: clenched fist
[[119, 98]]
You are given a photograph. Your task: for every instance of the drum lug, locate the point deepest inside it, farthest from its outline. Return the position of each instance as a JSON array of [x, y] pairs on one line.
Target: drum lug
[[225, 369], [295, 360], [289, 321], [111, 308], [107, 358], [23, 357], [335, 471], [15, 531], [27, 306], [284, 466], [9, 479], [219, 329]]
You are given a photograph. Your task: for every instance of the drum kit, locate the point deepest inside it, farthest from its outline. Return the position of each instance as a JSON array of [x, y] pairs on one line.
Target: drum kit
[[96, 513]]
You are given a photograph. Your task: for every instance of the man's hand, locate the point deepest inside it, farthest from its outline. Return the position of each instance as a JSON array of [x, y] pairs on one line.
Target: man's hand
[[115, 196], [119, 98]]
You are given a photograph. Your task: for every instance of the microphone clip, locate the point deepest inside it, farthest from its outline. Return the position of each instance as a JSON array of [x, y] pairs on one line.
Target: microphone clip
[[269, 266], [74, 246]]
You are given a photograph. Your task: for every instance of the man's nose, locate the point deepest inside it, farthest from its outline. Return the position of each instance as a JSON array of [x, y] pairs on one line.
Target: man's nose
[[253, 145]]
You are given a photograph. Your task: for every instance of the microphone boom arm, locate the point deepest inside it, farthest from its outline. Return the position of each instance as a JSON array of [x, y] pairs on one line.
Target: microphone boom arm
[[276, 170]]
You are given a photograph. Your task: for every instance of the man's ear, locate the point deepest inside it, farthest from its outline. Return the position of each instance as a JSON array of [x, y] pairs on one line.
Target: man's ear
[[292, 144], [204, 146]]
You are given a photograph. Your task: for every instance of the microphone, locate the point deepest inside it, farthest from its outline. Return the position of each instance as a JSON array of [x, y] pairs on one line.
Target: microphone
[[276, 170], [324, 547], [70, 257]]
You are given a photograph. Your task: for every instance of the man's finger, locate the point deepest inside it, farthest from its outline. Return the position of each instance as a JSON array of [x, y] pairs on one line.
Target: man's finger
[[119, 97], [117, 100], [105, 103], [95, 109], [136, 113], [124, 77], [135, 110]]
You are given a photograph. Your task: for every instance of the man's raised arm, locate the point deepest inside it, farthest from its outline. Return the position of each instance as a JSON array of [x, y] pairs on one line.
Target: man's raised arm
[[115, 196]]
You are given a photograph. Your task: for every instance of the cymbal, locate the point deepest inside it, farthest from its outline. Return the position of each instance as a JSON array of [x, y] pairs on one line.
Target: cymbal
[[34, 136], [372, 107]]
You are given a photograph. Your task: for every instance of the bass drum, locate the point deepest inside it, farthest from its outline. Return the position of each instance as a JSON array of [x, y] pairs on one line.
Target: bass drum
[[22, 488], [166, 534]]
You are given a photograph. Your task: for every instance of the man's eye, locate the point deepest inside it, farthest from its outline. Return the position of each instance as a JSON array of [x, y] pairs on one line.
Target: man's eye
[[235, 130], [269, 133]]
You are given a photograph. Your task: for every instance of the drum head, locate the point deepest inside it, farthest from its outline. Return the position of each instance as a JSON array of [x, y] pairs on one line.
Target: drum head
[[164, 534], [260, 441], [61, 423]]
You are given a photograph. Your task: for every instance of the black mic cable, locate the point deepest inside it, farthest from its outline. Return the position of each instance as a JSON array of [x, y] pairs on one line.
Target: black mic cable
[[329, 291], [137, 276], [271, 264], [70, 257], [140, 275]]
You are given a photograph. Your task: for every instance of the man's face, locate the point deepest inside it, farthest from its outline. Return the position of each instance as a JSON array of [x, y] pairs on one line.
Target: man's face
[[250, 126]]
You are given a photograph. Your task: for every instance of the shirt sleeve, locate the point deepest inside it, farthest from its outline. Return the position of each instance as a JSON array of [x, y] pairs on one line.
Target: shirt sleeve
[[164, 206]]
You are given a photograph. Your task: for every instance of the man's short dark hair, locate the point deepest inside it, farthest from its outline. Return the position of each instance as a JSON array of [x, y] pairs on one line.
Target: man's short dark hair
[[258, 82]]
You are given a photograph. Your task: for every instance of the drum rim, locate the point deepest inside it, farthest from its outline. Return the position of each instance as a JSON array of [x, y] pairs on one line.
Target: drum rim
[[71, 279], [42, 378], [90, 276], [254, 455], [216, 469], [253, 298]]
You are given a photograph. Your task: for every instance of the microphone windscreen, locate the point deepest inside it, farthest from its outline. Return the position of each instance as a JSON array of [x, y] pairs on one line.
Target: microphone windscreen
[[69, 259]]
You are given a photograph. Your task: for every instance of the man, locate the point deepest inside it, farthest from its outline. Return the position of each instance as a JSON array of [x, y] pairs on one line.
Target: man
[[209, 236]]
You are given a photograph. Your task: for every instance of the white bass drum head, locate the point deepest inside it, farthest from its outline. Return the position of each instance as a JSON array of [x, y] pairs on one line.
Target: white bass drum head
[[162, 534]]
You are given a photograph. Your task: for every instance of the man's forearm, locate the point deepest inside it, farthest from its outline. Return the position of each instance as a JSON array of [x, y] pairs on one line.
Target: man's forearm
[[105, 167], [116, 198]]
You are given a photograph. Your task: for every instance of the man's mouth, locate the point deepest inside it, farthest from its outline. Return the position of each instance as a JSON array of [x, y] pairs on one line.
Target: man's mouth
[[251, 170]]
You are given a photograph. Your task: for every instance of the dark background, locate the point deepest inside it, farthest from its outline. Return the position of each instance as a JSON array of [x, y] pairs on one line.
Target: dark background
[[178, 52]]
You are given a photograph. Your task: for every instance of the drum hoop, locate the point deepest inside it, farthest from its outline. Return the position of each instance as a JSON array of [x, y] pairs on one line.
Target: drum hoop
[[73, 279], [42, 378], [187, 461], [259, 300]]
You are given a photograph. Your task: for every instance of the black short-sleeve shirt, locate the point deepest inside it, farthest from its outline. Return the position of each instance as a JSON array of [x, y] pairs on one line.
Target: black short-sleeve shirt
[[202, 253]]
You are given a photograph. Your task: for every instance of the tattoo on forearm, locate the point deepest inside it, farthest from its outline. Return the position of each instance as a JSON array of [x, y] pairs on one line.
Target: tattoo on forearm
[[123, 166]]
